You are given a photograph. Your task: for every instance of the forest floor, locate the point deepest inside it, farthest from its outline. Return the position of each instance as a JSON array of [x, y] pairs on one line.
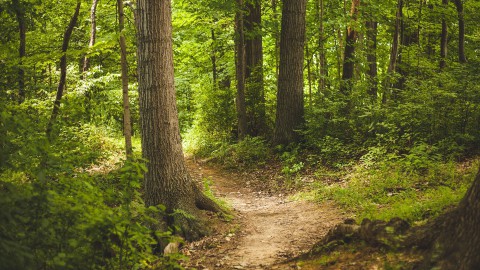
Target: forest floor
[[268, 227]]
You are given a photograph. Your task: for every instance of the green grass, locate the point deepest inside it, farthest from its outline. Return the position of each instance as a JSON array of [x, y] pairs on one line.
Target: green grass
[[388, 190]]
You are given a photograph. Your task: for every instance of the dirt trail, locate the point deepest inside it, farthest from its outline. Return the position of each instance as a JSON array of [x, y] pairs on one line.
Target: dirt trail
[[268, 229]]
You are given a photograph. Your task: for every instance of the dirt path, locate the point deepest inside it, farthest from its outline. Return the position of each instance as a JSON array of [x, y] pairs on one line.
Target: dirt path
[[267, 230]]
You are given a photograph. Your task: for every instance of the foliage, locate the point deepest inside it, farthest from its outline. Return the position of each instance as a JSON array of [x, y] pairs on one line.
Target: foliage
[[251, 152], [413, 187], [78, 221]]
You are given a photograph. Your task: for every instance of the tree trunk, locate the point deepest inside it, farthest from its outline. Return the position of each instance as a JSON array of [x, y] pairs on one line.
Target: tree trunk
[[290, 104], [392, 66], [20, 13], [167, 181], [93, 32], [255, 96], [458, 243], [461, 32], [127, 126], [321, 48], [240, 71], [443, 39], [63, 70], [372, 59], [276, 37], [349, 59]]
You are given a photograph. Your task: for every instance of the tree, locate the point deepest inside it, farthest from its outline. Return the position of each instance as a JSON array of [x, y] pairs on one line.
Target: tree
[[349, 58], [93, 32], [290, 104], [167, 181], [394, 50], [255, 96], [240, 71], [63, 69], [127, 127], [458, 240], [20, 14], [371, 26], [461, 31], [444, 38]]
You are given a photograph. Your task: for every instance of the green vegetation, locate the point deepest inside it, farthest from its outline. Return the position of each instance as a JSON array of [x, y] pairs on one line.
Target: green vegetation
[[399, 137]]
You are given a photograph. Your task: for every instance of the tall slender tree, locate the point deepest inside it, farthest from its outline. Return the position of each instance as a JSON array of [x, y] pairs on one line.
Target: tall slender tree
[[461, 31], [93, 33], [444, 38], [63, 69], [371, 26], [167, 180], [290, 104], [394, 50], [127, 125]]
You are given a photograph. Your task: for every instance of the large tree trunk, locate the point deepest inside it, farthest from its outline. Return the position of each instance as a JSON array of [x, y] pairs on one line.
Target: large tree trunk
[[127, 126], [20, 13], [290, 104], [443, 38], [167, 181], [93, 33], [240, 71], [255, 96], [349, 58], [63, 69], [461, 31]]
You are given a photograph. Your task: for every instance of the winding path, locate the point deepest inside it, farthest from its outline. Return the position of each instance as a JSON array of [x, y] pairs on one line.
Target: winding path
[[268, 229]]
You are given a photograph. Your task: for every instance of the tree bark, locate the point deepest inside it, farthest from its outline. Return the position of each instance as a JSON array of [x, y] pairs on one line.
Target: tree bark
[[461, 31], [290, 103], [458, 241], [240, 71], [127, 122], [167, 181], [63, 69], [255, 96], [443, 39], [20, 14], [93, 33]]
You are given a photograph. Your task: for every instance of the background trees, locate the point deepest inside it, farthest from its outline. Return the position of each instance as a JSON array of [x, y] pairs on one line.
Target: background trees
[[236, 72]]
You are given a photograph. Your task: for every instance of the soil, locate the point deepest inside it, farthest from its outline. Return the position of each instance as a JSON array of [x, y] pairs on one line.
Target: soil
[[267, 230]]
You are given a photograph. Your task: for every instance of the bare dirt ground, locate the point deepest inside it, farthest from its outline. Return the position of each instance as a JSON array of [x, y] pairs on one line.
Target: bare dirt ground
[[268, 227]]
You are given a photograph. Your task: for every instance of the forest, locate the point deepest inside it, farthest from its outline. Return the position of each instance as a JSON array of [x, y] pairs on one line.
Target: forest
[[247, 134]]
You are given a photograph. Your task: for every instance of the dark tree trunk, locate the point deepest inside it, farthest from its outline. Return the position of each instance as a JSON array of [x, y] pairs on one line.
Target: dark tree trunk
[[20, 13], [290, 104], [458, 241], [372, 58], [167, 181], [349, 58], [255, 96], [63, 70], [93, 33], [240, 71], [461, 31], [127, 126], [443, 39], [394, 51]]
